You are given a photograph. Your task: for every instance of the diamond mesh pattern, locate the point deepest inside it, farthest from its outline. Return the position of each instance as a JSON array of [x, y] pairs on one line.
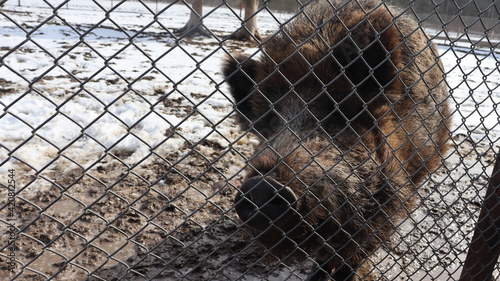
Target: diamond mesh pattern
[[120, 151]]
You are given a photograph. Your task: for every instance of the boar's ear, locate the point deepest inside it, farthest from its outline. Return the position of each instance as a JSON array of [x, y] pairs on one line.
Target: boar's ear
[[240, 74], [371, 52]]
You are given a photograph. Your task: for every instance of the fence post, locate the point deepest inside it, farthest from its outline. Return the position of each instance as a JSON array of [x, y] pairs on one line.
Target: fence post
[[485, 246]]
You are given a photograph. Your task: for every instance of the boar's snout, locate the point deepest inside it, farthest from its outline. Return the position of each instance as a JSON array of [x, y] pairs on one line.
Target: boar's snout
[[262, 201]]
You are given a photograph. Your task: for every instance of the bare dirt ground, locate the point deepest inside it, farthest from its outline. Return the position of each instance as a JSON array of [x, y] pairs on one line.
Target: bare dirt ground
[[173, 220]]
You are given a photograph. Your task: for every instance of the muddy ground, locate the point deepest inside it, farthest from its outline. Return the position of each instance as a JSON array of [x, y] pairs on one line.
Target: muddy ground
[[173, 220]]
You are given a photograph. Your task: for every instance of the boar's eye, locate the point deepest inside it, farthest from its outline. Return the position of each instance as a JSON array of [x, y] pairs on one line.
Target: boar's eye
[[267, 125]]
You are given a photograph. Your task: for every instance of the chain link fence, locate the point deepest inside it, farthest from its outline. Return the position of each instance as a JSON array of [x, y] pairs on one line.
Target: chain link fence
[[121, 149]]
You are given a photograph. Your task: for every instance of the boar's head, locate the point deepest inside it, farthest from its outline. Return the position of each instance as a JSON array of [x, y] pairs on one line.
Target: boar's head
[[349, 105]]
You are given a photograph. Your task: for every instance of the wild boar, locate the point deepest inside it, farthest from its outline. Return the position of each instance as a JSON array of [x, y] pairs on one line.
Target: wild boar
[[350, 105]]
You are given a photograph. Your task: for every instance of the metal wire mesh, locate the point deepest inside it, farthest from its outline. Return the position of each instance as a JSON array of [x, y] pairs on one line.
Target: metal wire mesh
[[121, 151]]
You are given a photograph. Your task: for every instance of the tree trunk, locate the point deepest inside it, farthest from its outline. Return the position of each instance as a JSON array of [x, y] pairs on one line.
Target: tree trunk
[[250, 31], [194, 25]]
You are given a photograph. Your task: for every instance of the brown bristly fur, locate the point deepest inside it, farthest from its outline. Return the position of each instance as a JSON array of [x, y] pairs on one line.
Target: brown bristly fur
[[352, 102]]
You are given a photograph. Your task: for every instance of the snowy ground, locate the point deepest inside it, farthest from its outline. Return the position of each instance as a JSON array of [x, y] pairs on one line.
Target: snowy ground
[[121, 143]]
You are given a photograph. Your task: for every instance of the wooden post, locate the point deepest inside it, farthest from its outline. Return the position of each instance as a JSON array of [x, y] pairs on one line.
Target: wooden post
[[485, 245]]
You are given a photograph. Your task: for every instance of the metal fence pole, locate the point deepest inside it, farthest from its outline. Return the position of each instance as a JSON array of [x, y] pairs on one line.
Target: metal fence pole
[[485, 246]]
